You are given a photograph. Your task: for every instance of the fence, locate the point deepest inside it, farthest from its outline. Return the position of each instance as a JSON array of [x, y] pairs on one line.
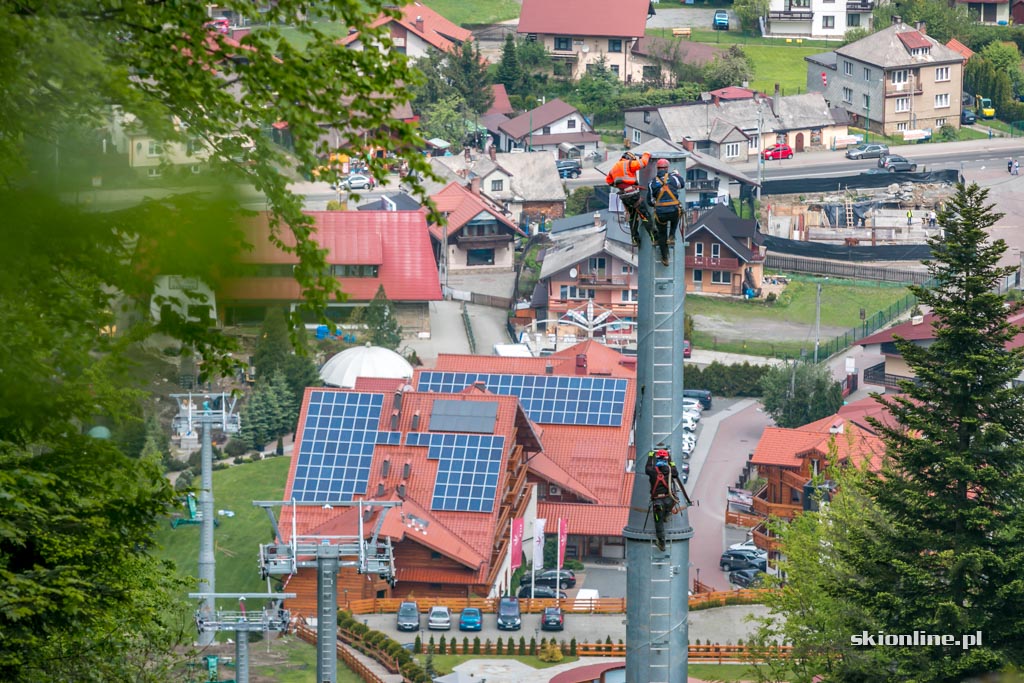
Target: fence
[[351, 661], [847, 271], [469, 328]]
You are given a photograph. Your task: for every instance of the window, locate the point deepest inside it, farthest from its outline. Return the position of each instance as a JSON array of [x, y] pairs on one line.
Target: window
[[630, 295], [597, 264], [346, 271], [902, 104], [573, 292], [753, 144], [942, 100], [193, 146], [480, 257], [941, 73], [546, 130], [570, 124], [898, 76], [732, 149], [939, 123], [698, 249], [615, 45], [716, 250], [652, 73], [848, 95], [196, 169], [698, 276], [563, 43], [848, 68], [852, 20], [867, 75], [627, 269], [828, 21], [636, 137], [647, 117], [902, 126], [615, 69], [867, 102], [497, 186], [720, 277], [920, 51], [155, 149], [154, 172]]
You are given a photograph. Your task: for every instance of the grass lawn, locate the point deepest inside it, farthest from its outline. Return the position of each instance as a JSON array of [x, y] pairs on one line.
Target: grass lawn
[[476, 12], [782, 65], [237, 538]]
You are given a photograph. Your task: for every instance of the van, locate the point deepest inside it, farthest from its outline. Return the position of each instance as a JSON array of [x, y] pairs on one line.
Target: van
[[584, 600], [509, 616], [702, 395]]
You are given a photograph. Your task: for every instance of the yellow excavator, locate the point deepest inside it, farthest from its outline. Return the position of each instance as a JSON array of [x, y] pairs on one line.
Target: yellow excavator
[[983, 107]]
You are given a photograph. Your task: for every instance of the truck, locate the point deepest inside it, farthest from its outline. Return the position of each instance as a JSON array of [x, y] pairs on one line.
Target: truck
[[983, 107]]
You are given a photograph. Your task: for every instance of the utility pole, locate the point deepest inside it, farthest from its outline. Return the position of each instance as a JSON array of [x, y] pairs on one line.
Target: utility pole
[[817, 324], [760, 147]]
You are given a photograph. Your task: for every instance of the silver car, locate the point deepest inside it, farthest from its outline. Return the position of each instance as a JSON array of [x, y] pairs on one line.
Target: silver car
[[439, 619], [872, 151]]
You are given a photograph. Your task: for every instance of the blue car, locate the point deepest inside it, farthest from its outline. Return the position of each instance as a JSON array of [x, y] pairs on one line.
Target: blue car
[[471, 619]]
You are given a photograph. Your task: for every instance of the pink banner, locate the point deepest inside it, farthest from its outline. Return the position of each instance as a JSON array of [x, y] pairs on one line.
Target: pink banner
[[517, 543], [563, 536]]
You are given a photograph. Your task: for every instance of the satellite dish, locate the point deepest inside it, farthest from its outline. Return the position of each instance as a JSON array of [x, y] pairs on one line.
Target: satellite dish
[[573, 272]]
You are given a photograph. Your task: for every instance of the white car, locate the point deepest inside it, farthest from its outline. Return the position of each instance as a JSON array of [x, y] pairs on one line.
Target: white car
[[689, 424], [692, 404], [694, 414], [748, 545]]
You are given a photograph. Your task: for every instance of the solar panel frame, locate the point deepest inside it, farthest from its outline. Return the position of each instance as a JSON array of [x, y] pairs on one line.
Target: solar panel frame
[[468, 471]]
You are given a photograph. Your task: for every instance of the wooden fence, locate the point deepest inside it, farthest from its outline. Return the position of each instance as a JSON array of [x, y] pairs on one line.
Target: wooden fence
[[845, 269], [351, 661]]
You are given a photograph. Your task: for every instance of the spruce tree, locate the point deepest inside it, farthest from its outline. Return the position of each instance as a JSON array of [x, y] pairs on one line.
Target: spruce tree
[[381, 321], [273, 346], [943, 551], [467, 74], [510, 74]]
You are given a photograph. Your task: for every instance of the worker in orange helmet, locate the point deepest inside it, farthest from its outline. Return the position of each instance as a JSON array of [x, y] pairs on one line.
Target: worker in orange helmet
[[623, 177]]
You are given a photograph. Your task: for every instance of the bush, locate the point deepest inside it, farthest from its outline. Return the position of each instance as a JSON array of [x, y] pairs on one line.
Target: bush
[[476, 645], [551, 652], [417, 645], [522, 646], [572, 647], [533, 647], [465, 644], [499, 647], [235, 447], [770, 299], [442, 646]]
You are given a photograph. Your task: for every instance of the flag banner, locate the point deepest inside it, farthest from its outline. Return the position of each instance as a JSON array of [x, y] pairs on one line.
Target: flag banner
[[517, 543], [538, 543], [563, 536]]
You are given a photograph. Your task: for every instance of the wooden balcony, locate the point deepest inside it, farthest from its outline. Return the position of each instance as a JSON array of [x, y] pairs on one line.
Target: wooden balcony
[[911, 87], [794, 14], [764, 541], [482, 240], [599, 280], [712, 263], [780, 510], [794, 479]]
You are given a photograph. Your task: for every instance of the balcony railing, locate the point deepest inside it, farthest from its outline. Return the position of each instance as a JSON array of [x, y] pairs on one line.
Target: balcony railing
[[470, 240], [876, 374], [764, 541], [712, 263], [795, 480], [859, 5], [912, 87], [794, 14], [781, 510], [703, 185], [603, 280]]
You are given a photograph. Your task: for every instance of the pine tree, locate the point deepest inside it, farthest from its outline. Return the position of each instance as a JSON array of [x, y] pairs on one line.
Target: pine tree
[[944, 549], [510, 73], [381, 321], [467, 75], [273, 346]]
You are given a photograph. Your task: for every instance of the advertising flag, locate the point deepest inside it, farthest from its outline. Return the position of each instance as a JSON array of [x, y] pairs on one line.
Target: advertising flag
[[538, 543], [563, 536], [517, 543]]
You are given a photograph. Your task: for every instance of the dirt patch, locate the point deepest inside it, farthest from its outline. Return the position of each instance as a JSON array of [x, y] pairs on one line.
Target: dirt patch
[[761, 329]]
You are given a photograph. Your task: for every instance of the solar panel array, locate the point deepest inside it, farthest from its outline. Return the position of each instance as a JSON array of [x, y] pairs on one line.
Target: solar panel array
[[547, 399], [467, 474], [338, 438], [463, 416]]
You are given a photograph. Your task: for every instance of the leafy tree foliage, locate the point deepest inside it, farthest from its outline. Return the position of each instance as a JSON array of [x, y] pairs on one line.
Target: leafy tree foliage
[[381, 321], [579, 201], [749, 11], [597, 89], [446, 119], [81, 597], [467, 75], [270, 411], [732, 68], [800, 393], [275, 353], [943, 21]]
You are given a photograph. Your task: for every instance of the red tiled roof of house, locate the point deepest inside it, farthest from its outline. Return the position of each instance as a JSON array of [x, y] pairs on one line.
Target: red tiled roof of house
[[466, 537], [435, 29], [587, 520], [501, 104], [913, 40], [734, 92], [924, 331], [378, 385], [956, 45], [611, 18], [396, 241], [545, 468], [779, 446], [461, 206], [685, 51]]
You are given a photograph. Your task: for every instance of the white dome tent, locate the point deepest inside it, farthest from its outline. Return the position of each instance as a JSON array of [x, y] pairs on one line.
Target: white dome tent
[[364, 361]]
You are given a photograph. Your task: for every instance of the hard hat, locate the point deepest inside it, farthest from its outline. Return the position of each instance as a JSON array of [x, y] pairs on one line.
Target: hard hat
[[662, 453], [662, 163]]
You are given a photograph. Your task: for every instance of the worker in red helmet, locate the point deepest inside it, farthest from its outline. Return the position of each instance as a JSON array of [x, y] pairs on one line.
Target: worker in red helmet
[[663, 195], [662, 474], [624, 178]]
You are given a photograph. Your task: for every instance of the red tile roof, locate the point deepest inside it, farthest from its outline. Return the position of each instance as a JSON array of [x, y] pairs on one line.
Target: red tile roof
[[734, 92], [378, 385], [397, 241], [435, 29], [924, 331], [611, 18], [587, 520], [546, 469], [913, 39], [501, 104], [956, 45], [461, 206]]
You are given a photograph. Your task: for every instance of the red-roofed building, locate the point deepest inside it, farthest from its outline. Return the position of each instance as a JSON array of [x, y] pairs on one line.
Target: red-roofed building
[[918, 330], [416, 32], [501, 103], [957, 46], [365, 250], [787, 459], [577, 33], [476, 236]]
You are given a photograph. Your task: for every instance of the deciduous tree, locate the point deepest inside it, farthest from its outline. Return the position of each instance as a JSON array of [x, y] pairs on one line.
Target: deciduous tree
[[799, 393]]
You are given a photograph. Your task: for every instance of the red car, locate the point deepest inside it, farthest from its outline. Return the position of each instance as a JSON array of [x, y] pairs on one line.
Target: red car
[[779, 151], [686, 348]]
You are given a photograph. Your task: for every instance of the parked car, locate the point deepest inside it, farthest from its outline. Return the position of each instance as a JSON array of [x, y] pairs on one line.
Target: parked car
[[565, 578], [538, 591], [356, 181], [702, 395], [684, 471], [742, 559], [746, 578], [408, 617], [553, 619], [509, 617], [687, 350], [746, 545], [691, 413], [871, 151], [471, 619], [689, 424], [968, 117], [569, 168], [439, 618], [690, 402], [894, 163], [721, 21], [778, 151]]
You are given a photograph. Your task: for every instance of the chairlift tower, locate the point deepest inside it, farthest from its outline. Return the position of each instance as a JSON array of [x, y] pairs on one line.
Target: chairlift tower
[[273, 617], [327, 554], [656, 588], [208, 412]]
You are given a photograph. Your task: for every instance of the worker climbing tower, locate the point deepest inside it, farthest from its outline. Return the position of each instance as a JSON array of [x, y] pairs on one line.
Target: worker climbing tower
[[657, 580]]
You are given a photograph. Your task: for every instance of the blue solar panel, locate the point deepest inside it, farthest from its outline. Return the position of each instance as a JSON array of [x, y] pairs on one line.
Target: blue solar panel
[[547, 399], [338, 439], [467, 472]]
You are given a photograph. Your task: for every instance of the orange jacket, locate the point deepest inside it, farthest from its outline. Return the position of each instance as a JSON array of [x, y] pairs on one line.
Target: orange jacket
[[624, 171]]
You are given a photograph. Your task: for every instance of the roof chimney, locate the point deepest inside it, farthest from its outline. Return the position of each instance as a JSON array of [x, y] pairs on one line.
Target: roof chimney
[[385, 468], [474, 185], [897, 20], [549, 369], [581, 363], [398, 401], [380, 489], [775, 100], [922, 27], [597, 219], [716, 100], [406, 470], [492, 152], [394, 420], [687, 144], [419, 24], [415, 420]]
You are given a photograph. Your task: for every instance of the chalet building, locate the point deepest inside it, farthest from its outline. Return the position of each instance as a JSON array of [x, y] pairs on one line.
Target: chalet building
[[475, 236]]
